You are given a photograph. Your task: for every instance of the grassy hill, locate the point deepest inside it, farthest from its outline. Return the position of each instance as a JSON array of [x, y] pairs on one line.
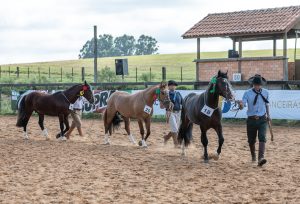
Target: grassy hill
[[39, 71]]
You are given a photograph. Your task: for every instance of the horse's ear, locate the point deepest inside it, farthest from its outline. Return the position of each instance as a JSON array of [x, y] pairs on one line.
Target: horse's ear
[[85, 82], [162, 85], [219, 73]]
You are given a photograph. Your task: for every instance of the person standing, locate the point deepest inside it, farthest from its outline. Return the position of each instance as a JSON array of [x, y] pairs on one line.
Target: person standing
[[76, 116], [174, 115], [256, 100]]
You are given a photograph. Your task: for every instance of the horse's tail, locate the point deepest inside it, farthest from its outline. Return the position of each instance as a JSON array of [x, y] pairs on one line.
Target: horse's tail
[[21, 113], [185, 128]]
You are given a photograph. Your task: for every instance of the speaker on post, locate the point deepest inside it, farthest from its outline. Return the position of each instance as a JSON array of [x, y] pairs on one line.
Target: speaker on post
[[121, 66]]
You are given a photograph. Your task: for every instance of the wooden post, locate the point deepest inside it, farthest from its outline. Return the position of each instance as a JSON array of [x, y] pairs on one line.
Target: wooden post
[[72, 74], [18, 72], [181, 73], [0, 71], [82, 73], [61, 74], [198, 58], [164, 73], [95, 55], [274, 47], [49, 73], [0, 99], [285, 60], [234, 44], [28, 72], [136, 78], [150, 75], [9, 71], [240, 47], [39, 72]]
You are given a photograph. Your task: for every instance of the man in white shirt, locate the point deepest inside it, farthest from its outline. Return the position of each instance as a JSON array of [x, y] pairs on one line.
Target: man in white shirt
[[76, 116]]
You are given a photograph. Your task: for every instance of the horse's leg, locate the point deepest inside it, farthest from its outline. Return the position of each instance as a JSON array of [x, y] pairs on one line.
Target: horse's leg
[[66, 122], [142, 131], [204, 142], [61, 124], [26, 120], [41, 124], [108, 118], [127, 128], [219, 131], [147, 124]]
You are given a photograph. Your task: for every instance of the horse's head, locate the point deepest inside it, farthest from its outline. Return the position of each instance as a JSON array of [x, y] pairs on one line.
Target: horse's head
[[87, 92], [162, 94], [222, 86]]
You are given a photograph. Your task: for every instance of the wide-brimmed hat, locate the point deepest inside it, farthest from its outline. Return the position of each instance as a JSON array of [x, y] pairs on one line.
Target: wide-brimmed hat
[[257, 79], [172, 82]]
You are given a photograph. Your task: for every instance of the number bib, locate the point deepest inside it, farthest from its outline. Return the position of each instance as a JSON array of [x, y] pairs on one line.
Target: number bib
[[147, 109], [206, 110], [71, 107]]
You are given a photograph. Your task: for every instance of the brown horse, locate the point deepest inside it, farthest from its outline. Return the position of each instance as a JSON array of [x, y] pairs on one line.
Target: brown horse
[[138, 106], [57, 104], [203, 110]]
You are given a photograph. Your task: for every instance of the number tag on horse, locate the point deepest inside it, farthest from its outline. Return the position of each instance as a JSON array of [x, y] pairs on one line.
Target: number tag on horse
[[206, 110], [147, 109], [71, 107]]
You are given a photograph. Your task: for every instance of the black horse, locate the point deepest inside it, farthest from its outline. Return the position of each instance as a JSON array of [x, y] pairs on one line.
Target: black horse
[[57, 104], [203, 110]]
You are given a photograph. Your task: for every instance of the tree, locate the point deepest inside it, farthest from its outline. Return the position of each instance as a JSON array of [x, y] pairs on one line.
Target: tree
[[105, 45], [124, 45], [146, 45], [87, 50], [107, 75]]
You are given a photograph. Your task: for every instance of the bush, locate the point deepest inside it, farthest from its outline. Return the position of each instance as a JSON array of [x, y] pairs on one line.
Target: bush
[[107, 75], [146, 77]]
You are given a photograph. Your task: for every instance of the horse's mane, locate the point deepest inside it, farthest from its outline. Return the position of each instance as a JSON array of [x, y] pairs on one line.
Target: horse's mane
[[58, 92]]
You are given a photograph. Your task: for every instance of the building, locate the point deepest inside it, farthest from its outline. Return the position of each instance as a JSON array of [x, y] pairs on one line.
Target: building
[[251, 25]]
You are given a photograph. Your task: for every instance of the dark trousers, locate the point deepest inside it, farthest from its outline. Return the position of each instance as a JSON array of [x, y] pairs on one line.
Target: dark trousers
[[256, 127]]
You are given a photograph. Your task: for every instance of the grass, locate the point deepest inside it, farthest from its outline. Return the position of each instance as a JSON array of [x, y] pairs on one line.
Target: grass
[[39, 71]]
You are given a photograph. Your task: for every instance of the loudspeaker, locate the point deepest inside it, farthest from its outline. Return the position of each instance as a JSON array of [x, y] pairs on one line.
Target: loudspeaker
[[121, 66], [233, 54]]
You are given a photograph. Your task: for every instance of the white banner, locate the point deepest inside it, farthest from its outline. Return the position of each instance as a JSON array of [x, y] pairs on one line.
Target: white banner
[[284, 104]]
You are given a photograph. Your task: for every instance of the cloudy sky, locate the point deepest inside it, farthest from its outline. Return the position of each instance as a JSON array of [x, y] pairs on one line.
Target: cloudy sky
[[43, 30]]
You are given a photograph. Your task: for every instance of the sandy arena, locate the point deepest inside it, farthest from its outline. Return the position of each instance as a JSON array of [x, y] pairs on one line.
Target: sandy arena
[[83, 170]]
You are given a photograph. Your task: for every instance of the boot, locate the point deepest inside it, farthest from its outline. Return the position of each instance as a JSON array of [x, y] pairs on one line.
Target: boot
[[167, 137], [175, 141], [252, 150], [261, 154]]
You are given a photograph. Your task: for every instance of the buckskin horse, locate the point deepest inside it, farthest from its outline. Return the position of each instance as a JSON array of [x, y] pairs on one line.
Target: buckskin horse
[[57, 104], [203, 110], [138, 106]]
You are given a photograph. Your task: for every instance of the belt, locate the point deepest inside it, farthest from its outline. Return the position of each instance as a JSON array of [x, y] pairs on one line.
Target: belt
[[176, 111], [77, 109], [256, 117]]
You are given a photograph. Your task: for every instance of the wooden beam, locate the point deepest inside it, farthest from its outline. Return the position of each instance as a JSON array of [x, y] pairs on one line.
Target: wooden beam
[[240, 47], [285, 60], [197, 63], [234, 44], [198, 48], [274, 47]]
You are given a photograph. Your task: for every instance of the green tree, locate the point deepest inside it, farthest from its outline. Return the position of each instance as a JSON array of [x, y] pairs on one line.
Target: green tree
[[105, 45], [146, 45], [107, 75], [124, 45], [87, 51]]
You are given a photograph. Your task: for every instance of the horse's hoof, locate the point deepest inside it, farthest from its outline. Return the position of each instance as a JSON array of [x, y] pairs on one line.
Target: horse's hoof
[[140, 143], [206, 161], [47, 139], [215, 156], [58, 136], [106, 143]]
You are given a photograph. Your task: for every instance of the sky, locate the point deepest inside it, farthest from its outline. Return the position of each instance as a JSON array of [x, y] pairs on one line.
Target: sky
[[48, 30]]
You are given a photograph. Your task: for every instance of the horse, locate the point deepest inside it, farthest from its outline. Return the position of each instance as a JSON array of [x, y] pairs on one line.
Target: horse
[[203, 110], [138, 106], [58, 104]]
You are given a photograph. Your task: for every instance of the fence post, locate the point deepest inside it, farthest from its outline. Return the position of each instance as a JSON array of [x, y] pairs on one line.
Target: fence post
[[0, 71], [136, 79], [82, 73], [181, 73], [39, 73], [164, 76], [28, 72], [150, 75], [61, 74], [49, 73], [18, 72], [72, 74], [0, 99], [9, 71]]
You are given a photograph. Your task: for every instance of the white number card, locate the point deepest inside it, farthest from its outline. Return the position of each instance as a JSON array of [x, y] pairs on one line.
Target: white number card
[[71, 107], [147, 109], [206, 110]]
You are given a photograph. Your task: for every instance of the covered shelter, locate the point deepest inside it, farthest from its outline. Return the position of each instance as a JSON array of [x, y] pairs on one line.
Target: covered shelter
[[251, 25]]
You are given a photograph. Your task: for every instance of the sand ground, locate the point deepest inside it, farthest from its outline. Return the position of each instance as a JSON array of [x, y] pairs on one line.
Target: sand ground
[[83, 170]]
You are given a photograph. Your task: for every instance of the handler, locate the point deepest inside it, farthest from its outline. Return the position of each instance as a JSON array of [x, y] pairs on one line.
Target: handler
[[174, 115], [256, 99], [76, 116]]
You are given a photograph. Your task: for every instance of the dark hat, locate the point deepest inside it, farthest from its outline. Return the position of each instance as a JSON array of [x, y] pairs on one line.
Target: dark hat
[[172, 82], [257, 79]]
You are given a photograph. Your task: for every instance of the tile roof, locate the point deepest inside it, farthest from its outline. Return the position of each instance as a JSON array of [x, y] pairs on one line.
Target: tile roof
[[250, 22]]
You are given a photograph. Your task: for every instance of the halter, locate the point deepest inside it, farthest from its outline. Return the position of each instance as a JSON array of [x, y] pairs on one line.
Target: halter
[[214, 82], [84, 88]]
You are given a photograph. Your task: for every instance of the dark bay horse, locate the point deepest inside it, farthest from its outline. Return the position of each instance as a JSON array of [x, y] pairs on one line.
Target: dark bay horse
[[138, 106], [57, 104], [203, 110]]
